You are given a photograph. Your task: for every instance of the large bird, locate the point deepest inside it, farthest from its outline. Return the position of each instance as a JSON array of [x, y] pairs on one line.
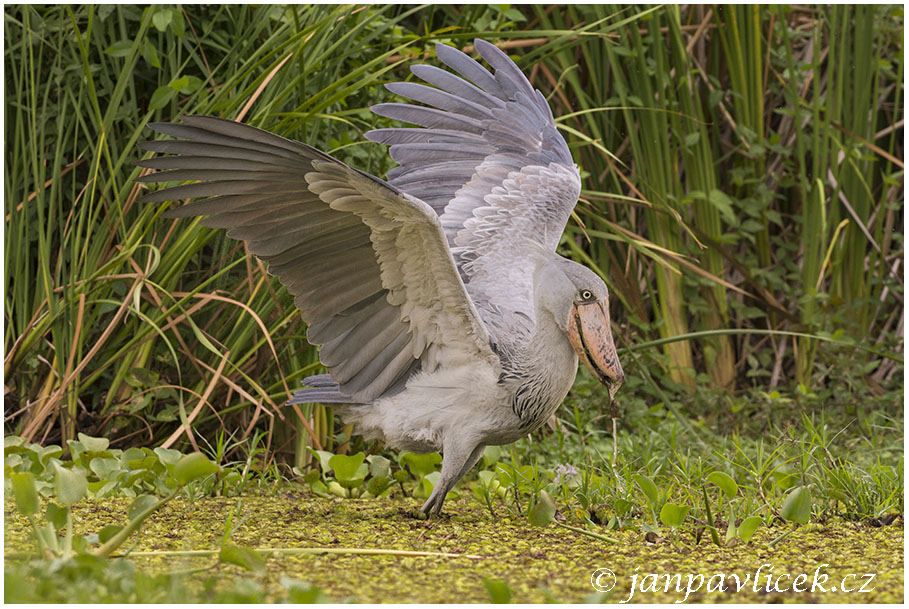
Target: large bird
[[446, 320]]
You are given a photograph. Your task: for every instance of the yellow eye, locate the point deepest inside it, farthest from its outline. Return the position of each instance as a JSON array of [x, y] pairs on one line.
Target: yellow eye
[[586, 295]]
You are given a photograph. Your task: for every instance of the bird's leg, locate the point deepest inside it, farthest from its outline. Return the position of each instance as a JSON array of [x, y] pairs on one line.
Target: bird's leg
[[455, 463]]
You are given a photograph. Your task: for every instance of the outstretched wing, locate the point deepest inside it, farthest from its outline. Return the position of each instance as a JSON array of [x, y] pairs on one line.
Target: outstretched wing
[[491, 162], [368, 265]]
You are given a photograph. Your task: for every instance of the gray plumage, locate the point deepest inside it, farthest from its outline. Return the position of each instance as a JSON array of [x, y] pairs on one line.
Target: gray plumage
[[442, 311]]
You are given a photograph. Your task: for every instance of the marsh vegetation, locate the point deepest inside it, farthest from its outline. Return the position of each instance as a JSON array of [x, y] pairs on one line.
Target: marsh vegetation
[[743, 191]]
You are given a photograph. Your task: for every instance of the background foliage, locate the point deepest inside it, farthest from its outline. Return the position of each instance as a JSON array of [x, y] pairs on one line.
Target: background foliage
[[743, 190]]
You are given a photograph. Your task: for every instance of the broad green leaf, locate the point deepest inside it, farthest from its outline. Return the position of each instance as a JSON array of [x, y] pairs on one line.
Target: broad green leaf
[[377, 486], [55, 515], [379, 466], [673, 515], [347, 467], [94, 444], [161, 97], [649, 488], [797, 505], [748, 527], [25, 492], [421, 465], [139, 505], [121, 48], [323, 456], [193, 466], [243, 557], [106, 533], [103, 468], [725, 482], [543, 510], [161, 19], [71, 485], [178, 84], [168, 456]]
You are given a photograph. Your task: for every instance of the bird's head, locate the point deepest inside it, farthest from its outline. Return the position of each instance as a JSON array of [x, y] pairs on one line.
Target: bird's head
[[579, 301]]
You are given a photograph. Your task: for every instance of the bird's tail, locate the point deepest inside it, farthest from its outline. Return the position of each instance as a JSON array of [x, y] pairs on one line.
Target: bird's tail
[[321, 388]]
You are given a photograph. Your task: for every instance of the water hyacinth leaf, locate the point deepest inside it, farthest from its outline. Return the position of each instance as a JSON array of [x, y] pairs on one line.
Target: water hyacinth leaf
[[193, 466], [350, 471], [621, 506], [499, 592], [725, 482], [323, 456], [649, 488], [421, 465], [673, 515], [797, 505], [106, 533], [168, 456], [377, 486], [71, 485], [25, 492], [139, 505], [491, 455], [543, 510], [337, 490], [748, 528], [242, 557], [379, 466], [55, 515], [104, 467], [428, 483], [94, 444]]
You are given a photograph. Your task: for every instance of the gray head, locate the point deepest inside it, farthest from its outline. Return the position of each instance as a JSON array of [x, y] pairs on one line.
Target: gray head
[[579, 301]]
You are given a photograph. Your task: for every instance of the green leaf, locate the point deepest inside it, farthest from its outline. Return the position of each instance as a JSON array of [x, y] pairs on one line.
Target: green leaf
[[543, 510], [748, 527], [673, 515], [161, 97], [192, 467], [178, 84], [161, 19], [350, 471], [797, 505], [103, 467], [421, 465], [119, 49], [499, 591], [139, 505], [106, 533], [725, 482], [55, 515], [167, 456], [71, 485], [649, 488], [379, 466], [150, 54], [94, 444], [323, 456], [377, 486], [25, 492], [243, 557]]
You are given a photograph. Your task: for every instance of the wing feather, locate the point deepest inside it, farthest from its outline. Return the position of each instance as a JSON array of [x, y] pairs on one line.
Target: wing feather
[[368, 266], [491, 162]]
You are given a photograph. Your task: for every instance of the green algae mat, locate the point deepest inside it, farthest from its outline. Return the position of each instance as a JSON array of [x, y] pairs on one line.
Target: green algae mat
[[470, 556]]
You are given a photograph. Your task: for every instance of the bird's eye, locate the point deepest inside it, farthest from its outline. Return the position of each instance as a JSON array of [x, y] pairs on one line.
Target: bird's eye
[[586, 295]]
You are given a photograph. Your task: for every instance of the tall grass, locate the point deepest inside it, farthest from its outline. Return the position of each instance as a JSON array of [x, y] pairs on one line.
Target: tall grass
[[738, 174]]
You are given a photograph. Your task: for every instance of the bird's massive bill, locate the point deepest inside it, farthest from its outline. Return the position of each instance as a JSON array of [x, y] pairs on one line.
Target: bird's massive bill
[[591, 337]]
